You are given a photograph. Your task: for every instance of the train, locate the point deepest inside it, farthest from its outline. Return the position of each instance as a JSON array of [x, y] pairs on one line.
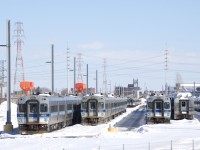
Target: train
[[182, 104], [158, 109], [99, 108], [45, 113], [132, 102]]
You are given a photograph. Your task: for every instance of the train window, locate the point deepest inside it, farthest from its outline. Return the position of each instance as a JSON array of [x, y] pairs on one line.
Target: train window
[[69, 106], [61, 107], [54, 108], [22, 107], [166, 105], [84, 105], [43, 108], [101, 106]]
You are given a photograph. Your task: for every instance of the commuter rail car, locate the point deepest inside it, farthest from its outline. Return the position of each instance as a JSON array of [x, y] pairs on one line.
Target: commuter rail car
[[98, 108], [132, 102], [44, 113], [158, 109], [182, 104]]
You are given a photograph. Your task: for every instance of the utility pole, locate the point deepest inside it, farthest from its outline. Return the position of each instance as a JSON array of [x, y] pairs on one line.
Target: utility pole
[[87, 80], [96, 81], [52, 67], [74, 75]]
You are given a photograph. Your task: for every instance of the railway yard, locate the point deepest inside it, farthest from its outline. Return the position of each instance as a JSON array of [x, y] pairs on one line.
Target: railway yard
[[180, 134]]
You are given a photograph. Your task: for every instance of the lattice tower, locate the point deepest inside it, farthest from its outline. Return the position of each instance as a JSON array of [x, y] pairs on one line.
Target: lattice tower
[[68, 68], [104, 89], [2, 77], [19, 68], [79, 66]]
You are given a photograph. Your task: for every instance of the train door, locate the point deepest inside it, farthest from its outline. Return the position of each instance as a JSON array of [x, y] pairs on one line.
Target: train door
[[92, 108], [32, 111], [184, 107], [158, 109]]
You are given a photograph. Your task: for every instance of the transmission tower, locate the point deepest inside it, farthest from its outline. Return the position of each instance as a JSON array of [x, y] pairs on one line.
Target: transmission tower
[[19, 68], [166, 68], [68, 68], [79, 65], [2, 77], [105, 90]]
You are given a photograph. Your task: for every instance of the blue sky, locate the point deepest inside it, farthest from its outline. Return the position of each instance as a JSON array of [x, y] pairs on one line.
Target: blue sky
[[131, 34]]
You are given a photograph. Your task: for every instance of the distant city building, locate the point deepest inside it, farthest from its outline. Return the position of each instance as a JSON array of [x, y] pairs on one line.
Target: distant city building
[[131, 90]]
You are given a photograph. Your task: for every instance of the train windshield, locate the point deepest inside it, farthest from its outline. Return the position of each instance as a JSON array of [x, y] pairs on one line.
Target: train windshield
[[43, 108], [22, 107], [33, 108], [93, 105], [183, 104], [158, 105]]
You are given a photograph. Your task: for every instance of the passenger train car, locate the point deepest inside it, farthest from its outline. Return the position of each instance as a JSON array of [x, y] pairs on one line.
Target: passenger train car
[[182, 105], [98, 108], [158, 109], [44, 113], [132, 102]]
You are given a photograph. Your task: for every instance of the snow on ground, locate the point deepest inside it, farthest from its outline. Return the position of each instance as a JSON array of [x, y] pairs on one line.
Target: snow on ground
[[178, 135]]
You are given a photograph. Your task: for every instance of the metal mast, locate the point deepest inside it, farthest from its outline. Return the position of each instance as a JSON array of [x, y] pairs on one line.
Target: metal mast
[[105, 91], [19, 67]]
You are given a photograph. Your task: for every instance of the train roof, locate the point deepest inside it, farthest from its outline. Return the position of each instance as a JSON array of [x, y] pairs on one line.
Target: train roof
[[152, 98], [181, 95], [103, 98], [49, 98]]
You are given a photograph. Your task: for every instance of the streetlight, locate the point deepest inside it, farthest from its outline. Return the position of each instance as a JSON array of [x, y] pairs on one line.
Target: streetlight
[[8, 126], [87, 79]]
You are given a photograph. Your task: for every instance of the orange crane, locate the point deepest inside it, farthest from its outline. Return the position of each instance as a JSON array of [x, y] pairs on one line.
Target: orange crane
[[26, 86]]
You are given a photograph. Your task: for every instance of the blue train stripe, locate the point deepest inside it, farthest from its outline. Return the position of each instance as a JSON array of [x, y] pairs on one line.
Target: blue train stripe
[[33, 115]]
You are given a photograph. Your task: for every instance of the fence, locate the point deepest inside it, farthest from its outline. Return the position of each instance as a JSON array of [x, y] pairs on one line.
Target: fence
[[168, 145]]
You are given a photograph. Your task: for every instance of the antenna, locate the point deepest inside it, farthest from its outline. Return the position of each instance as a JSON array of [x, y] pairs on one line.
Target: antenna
[[19, 68]]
